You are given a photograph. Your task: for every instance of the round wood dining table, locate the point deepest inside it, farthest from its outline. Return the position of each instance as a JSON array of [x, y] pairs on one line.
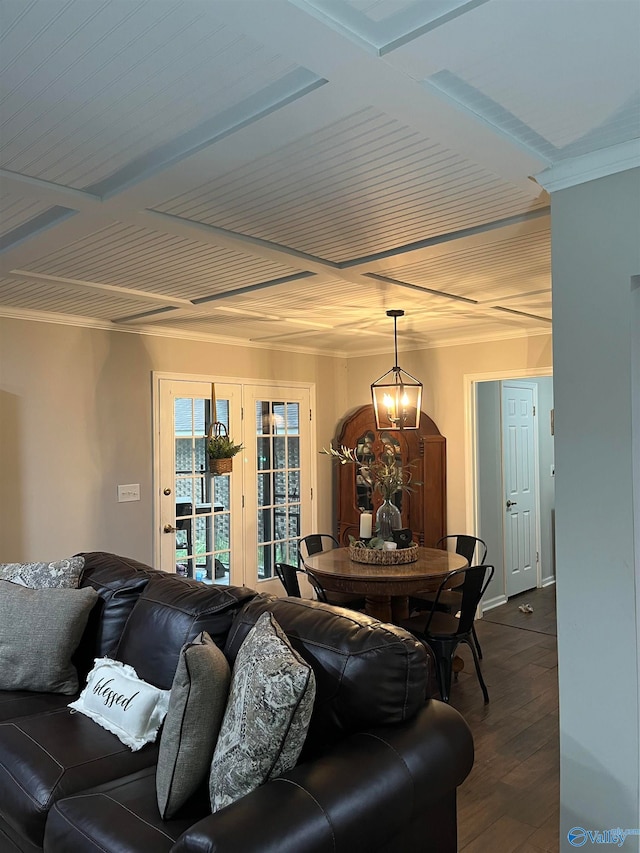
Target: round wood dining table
[[386, 589]]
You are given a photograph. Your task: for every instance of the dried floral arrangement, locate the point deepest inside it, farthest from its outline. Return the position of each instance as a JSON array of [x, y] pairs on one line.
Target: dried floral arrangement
[[385, 474]]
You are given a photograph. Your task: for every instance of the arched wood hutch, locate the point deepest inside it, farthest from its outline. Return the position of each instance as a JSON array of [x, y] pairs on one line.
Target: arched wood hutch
[[425, 509]]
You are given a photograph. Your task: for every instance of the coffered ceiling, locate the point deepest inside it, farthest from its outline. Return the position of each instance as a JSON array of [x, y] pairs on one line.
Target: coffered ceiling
[[282, 173]]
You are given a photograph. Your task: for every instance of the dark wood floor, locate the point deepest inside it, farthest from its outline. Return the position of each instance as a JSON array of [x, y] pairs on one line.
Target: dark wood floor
[[510, 801]]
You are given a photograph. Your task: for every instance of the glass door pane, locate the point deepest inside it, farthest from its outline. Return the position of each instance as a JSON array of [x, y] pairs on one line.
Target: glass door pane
[[279, 436], [198, 509], [278, 483], [203, 507]]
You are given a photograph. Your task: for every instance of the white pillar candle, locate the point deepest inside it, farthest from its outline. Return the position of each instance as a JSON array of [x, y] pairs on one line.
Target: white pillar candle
[[365, 525]]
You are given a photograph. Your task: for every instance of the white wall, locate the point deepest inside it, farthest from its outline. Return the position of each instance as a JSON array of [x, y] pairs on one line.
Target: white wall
[[547, 482], [595, 253]]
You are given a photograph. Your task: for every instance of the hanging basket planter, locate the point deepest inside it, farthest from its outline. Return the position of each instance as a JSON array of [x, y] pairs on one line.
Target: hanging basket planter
[[220, 449], [220, 466]]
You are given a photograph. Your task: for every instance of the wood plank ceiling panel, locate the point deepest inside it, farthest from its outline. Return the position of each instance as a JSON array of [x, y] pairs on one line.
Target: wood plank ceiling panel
[[92, 85], [364, 184], [29, 295], [496, 269], [136, 257], [15, 211]]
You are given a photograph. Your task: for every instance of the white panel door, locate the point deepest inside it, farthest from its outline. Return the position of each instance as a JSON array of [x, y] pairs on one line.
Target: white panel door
[[520, 489], [199, 514]]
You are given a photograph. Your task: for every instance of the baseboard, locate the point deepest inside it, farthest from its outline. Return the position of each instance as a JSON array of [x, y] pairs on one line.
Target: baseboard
[[490, 603], [548, 581]]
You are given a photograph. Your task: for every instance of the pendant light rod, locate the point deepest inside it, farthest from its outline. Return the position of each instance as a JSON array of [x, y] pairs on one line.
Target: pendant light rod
[[397, 396], [395, 313]]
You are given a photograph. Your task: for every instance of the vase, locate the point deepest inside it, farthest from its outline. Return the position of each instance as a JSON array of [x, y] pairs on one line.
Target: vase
[[388, 519]]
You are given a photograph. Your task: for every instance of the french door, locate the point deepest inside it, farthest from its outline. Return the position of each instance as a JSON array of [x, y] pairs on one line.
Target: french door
[[278, 444], [200, 531], [232, 528]]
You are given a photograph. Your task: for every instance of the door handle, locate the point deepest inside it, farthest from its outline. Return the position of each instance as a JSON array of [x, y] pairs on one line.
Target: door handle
[[169, 528], [511, 503]]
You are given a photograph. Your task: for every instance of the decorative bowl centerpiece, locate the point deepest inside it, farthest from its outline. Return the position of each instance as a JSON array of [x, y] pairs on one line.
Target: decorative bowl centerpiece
[[360, 553]]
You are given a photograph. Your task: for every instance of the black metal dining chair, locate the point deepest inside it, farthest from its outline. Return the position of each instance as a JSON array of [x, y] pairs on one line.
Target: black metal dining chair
[[315, 543], [474, 550], [443, 632], [288, 576]]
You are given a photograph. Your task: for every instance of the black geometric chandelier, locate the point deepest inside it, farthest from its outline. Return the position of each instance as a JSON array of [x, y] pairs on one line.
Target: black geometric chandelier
[[397, 396]]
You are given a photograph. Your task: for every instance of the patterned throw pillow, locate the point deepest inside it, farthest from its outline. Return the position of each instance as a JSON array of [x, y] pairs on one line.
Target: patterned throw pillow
[[267, 715], [61, 574], [196, 707], [39, 631], [122, 703]]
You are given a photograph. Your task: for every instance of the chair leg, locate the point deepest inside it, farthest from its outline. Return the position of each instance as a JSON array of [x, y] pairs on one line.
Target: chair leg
[[444, 670], [476, 641], [485, 692]]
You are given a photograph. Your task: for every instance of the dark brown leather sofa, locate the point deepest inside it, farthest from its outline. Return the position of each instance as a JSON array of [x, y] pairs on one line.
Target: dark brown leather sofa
[[379, 770]]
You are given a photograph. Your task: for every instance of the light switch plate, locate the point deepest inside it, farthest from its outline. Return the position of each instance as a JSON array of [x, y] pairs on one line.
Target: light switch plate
[[130, 492]]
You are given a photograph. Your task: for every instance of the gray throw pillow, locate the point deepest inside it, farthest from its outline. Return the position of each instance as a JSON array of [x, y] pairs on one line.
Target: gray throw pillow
[[39, 631], [56, 575], [196, 706], [267, 715]]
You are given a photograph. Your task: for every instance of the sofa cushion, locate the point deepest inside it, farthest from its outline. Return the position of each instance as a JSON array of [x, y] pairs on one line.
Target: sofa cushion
[[22, 703], [119, 816], [170, 612], [119, 581], [347, 651], [39, 631], [196, 707], [116, 699], [48, 756], [267, 715], [59, 574]]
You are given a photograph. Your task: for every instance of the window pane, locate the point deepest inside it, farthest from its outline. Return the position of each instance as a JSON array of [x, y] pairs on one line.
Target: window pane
[[278, 452], [265, 562], [294, 485], [264, 489], [221, 498], [294, 521], [221, 531], [222, 567], [264, 525], [293, 418], [264, 453], [282, 552], [294, 452]]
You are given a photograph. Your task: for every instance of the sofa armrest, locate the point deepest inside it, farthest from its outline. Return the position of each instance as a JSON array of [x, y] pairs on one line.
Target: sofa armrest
[[358, 797]]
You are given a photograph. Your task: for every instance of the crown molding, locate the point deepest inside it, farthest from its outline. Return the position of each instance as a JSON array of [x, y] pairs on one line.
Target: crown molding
[[34, 316], [590, 167]]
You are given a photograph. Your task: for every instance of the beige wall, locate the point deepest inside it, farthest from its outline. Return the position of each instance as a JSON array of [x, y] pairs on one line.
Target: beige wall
[[442, 371], [75, 420]]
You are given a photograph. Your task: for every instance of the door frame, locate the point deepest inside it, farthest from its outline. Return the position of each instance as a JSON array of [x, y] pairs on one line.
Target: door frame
[[471, 381], [158, 375]]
